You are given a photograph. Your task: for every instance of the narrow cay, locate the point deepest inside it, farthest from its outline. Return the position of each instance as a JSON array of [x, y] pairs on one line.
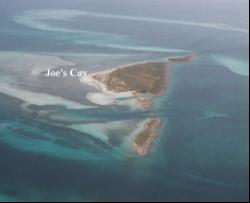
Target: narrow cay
[[145, 139]]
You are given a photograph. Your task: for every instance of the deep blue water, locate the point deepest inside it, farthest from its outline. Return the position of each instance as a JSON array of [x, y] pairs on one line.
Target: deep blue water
[[202, 151]]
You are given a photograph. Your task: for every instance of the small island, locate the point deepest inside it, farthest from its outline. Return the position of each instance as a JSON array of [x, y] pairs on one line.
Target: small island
[[144, 139], [181, 59], [145, 78], [141, 81]]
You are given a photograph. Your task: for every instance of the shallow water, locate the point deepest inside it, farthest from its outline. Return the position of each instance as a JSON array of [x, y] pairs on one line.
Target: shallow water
[[51, 151]]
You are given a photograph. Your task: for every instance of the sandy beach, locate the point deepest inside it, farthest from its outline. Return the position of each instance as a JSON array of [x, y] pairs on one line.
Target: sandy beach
[[106, 97], [110, 96]]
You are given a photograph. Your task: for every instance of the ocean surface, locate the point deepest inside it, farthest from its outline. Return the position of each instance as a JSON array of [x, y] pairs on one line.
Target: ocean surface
[[55, 145]]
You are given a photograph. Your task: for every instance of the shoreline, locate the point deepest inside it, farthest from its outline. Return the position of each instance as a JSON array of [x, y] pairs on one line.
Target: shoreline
[[141, 100], [106, 81]]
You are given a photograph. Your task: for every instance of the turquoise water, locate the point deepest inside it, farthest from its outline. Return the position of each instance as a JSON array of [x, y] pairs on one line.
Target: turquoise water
[[235, 65], [57, 146]]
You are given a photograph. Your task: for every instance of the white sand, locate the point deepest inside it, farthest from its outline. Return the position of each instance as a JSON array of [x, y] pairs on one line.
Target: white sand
[[101, 99], [39, 99], [107, 97], [92, 82]]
